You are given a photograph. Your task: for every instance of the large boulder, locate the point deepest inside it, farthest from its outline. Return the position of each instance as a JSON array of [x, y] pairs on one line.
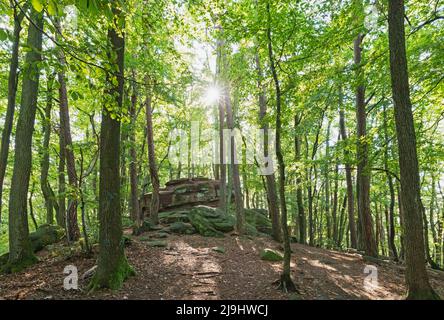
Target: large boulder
[[199, 219], [258, 218], [214, 222], [40, 238], [173, 216], [181, 228], [45, 235]]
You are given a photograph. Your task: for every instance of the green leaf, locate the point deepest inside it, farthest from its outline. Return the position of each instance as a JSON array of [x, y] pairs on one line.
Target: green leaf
[[52, 8], [3, 35], [37, 4]]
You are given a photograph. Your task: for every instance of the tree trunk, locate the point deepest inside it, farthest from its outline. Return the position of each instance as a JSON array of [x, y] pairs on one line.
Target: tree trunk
[[61, 213], [238, 201], [363, 174], [418, 286], [48, 194], [222, 155], [73, 231], [20, 252], [391, 214], [349, 181], [112, 266], [299, 197], [335, 204], [135, 214], [12, 92], [432, 223], [327, 180], [154, 206], [286, 283], [270, 179]]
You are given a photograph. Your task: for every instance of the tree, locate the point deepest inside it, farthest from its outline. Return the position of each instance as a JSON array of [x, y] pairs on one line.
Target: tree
[[112, 266], [299, 197], [238, 201], [135, 214], [363, 172], [21, 254], [286, 283], [154, 176], [272, 197], [50, 202], [418, 286], [72, 226], [12, 92], [222, 151], [349, 180]]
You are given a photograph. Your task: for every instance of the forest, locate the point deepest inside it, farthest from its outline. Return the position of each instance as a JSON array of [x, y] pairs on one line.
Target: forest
[[222, 149]]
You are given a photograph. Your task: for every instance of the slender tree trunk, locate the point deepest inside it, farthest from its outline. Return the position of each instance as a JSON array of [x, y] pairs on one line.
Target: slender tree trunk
[[418, 286], [135, 214], [245, 179], [349, 181], [31, 208], [12, 92], [112, 266], [124, 137], [270, 179], [363, 174], [327, 180], [154, 207], [238, 201], [61, 213], [401, 222], [73, 231], [391, 213], [432, 223], [48, 194], [286, 283], [335, 204], [302, 221], [342, 220], [20, 252], [426, 240], [222, 154]]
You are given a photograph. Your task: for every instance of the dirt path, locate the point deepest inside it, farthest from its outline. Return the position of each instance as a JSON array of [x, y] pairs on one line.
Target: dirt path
[[189, 268]]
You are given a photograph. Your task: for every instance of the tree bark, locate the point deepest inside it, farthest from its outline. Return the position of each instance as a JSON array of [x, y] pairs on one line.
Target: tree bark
[[286, 283], [154, 206], [222, 154], [112, 266], [73, 231], [12, 93], [327, 180], [20, 252], [48, 194], [135, 214], [270, 179], [238, 201], [302, 222], [363, 174], [61, 213], [418, 286], [349, 181], [391, 213]]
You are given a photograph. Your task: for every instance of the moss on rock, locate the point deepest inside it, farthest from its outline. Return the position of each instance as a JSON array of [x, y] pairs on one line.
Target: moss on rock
[[271, 255], [259, 219], [45, 235], [173, 216], [198, 219]]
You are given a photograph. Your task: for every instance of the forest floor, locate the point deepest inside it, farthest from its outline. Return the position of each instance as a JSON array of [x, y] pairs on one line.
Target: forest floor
[[189, 268]]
